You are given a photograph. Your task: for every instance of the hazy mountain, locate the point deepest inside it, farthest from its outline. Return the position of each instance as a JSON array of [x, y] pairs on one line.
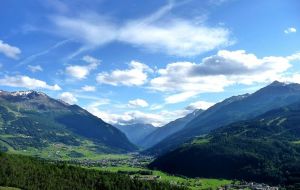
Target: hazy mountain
[[136, 132], [31, 120], [264, 149], [168, 129], [230, 110]]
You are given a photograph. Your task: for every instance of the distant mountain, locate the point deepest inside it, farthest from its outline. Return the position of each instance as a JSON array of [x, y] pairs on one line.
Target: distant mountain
[[136, 132], [231, 110], [168, 129], [33, 123], [264, 149]]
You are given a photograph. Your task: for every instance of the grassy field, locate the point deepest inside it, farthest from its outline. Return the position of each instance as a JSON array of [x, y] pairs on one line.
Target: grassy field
[[8, 188], [63, 152], [192, 183]]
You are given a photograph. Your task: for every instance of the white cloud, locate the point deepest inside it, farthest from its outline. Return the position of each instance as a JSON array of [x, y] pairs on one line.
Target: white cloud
[[156, 106], [91, 60], [9, 51], [88, 88], [35, 68], [131, 117], [290, 30], [177, 37], [185, 79], [180, 97], [68, 97], [136, 75], [86, 29], [173, 36], [200, 105], [138, 103], [79, 71], [26, 82]]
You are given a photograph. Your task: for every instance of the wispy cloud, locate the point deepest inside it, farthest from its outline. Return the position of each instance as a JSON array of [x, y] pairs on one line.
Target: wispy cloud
[[88, 88], [138, 103], [9, 50], [35, 68], [173, 36], [31, 58]]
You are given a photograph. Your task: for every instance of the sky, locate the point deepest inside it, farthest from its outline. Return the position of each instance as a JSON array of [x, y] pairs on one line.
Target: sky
[[147, 61]]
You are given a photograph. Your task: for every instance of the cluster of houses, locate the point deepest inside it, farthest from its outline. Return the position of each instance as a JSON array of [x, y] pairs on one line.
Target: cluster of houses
[[248, 185], [134, 161]]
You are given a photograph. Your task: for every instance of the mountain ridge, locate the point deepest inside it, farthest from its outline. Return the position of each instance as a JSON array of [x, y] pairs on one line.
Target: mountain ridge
[[169, 129], [262, 149], [232, 109], [136, 132], [34, 120]]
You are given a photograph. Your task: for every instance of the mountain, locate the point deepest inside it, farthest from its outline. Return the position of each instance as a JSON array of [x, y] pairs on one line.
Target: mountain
[[168, 129], [33, 123], [136, 132], [264, 149], [230, 110]]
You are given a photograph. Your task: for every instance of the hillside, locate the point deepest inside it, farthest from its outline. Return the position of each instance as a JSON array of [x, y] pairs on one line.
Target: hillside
[[136, 133], [231, 110], [14, 172], [265, 149], [33, 122], [168, 129]]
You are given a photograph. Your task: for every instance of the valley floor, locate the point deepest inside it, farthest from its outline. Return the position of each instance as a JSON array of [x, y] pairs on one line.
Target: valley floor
[[135, 165]]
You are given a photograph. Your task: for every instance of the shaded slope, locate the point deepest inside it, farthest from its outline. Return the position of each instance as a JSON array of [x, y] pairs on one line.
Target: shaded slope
[[168, 129], [136, 133], [231, 110], [264, 149], [31, 119]]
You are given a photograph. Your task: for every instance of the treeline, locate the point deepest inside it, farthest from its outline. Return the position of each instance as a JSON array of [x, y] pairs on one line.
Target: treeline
[[30, 173]]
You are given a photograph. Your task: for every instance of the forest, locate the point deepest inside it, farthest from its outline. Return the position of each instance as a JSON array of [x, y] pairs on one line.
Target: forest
[[31, 173]]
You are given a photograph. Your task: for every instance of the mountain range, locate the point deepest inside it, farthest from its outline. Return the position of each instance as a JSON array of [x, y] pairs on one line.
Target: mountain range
[[33, 122], [168, 129], [230, 110], [263, 149], [136, 133]]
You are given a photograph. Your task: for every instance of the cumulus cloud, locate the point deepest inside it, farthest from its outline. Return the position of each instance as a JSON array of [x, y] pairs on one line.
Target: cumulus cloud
[[173, 36], [68, 97], [9, 50], [88, 88], [26, 82], [136, 75], [80, 71], [186, 79], [138, 103], [132, 117], [199, 105], [290, 30], [35, 68]]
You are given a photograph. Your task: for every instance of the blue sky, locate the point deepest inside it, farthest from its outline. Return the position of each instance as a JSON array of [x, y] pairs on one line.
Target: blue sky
[[147, 61]]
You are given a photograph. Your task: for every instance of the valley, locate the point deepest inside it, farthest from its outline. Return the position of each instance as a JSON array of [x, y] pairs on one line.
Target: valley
[[239, 147]]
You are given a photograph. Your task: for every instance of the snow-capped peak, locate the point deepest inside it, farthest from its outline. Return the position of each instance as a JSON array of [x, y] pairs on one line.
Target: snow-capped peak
[[26, 93]]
